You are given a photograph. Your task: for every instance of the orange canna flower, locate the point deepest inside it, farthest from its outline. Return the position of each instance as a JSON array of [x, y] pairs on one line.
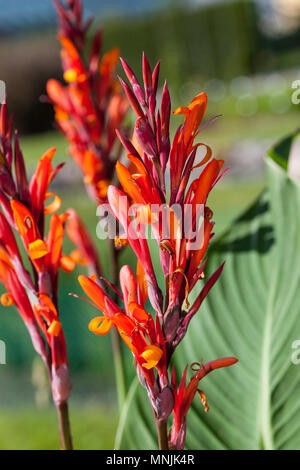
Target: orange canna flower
[[90, 106], [185, 394], [24, 206], [182, 226], [135, 325]]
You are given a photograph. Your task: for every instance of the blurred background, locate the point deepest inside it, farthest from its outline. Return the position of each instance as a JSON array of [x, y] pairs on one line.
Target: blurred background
[[245, 55]]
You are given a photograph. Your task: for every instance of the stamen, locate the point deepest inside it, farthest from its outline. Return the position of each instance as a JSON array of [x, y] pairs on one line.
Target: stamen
[[203, 400]]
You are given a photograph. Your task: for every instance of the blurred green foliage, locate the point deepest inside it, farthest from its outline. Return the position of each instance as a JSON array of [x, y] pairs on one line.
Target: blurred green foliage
[[93, 428], [213, 41], [218, 41]]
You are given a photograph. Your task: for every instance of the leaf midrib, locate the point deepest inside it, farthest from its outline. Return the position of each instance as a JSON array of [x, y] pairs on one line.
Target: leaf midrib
[[264, 409]]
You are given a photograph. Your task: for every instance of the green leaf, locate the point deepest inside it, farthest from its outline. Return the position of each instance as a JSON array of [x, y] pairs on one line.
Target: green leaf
[[280, 153], [252, 313]]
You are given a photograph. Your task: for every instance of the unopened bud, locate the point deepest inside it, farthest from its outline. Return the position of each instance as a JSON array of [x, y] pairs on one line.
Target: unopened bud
[[60, 384], [171, 321], [165, 403]]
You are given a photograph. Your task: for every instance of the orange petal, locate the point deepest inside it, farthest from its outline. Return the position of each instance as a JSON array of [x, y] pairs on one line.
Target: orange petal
[[55, 328], [102, 188], [152, 355], [109, 60], [100, 325], [205, 158], [24, 220], [94, 291], [142, 283], [124, 324], [138, 163], [121, 241], [54, 241], [66, 263], [138, 312], [70, 75], [128, 184], [6, 299], [49, 154], [48, 303], [78, 257], [54, 205], [5, 257], [56, 93], [69, 47], [205, 181], [37, 249], [182, 110]]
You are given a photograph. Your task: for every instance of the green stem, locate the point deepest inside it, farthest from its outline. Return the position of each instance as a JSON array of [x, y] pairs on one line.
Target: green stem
[[119, 368], [64, 426], [162, 434], [116, 341]]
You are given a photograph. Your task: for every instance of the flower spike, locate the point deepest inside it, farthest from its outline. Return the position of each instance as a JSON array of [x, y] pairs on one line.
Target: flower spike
[[34, 295], [182, 228]]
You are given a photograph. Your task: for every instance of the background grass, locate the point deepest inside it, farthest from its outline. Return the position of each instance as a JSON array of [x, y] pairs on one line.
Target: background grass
[[93, 427]]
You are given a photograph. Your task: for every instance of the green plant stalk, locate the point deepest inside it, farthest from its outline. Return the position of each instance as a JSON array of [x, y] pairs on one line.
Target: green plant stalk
[[64, 426]]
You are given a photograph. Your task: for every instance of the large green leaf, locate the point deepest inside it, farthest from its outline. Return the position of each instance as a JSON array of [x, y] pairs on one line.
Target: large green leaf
[[252, 313]]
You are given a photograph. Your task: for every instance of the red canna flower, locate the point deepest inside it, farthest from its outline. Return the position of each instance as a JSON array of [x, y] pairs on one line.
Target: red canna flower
[[184, 395], [135, 325], [24, 206], [182, 263], [90, 106], [180, 221]]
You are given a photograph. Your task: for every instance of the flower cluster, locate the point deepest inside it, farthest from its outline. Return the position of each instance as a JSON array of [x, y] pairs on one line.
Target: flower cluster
[[91, 105], [153, 162], [32, 284]]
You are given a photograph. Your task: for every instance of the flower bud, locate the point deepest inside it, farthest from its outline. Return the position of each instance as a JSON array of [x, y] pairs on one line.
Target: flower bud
[[164, 403], [171, 322], [145, 138], [60, 384]]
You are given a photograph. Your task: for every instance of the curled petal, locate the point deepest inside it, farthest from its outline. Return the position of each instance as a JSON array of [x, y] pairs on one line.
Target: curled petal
[[6, 299], [54, 205], [37, 249], [152, 355], [100, 325]]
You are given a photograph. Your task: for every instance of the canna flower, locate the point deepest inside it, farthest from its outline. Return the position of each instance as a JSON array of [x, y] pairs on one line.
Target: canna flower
[[182, 246], [90, 106], [135, 325], [24, 206], [17, 295], [184, 395], [144, 183]]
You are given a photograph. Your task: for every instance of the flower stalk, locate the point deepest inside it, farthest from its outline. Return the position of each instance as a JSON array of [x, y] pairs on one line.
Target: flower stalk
[[162, 434], [64, 426]]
